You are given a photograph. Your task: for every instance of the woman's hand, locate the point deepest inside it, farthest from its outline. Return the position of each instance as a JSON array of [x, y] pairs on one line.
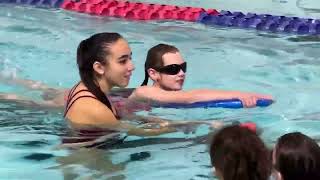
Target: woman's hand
[[250, 99], [158, 129], [164, 124], [155, 125]]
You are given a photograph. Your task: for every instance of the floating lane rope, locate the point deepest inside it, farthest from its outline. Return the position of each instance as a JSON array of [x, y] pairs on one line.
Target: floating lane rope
[[136, 10], [263, 22], [145, 11], [37, 3]]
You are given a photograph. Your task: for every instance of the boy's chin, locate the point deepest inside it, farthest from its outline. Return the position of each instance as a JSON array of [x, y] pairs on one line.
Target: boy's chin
[[123, 85], [177, 89]]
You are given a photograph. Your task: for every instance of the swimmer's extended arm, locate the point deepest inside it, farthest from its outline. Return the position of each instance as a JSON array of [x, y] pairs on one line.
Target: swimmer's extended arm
[[51, 97], [23, 101], [27, 83], [126, 108], [185, 126], [149, 93], [92, 113], [144, 119]]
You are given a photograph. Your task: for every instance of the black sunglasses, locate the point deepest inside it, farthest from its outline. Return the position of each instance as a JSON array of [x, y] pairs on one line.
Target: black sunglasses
[[173, 69]]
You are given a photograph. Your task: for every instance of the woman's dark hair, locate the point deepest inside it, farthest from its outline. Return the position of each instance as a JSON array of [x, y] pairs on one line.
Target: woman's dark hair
[[91, 50], [238, 153], [297, 157], [154, 58]]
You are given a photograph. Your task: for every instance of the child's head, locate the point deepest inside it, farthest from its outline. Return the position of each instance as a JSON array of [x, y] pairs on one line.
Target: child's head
[[166, 67], [297, 156], [237, 153], [104, 58]]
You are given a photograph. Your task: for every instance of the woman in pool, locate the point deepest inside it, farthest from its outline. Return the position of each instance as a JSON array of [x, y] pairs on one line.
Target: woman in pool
[[104, 61], [166, 67]]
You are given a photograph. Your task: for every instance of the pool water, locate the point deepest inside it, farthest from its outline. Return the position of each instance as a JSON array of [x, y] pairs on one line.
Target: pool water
[[40, 44]]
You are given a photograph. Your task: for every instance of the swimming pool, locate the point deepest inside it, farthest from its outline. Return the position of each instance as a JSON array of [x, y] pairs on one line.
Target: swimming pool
[[40, 44]]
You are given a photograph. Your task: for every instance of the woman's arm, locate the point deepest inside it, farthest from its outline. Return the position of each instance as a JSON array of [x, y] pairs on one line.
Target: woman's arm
[[26, 83], [126, 108], [147, 93], [51, 97], [24, 101], [186, 126], [90, 113]]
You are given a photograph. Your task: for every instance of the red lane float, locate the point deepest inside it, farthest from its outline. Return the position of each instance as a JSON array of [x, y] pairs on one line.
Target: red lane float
[[136, 10]]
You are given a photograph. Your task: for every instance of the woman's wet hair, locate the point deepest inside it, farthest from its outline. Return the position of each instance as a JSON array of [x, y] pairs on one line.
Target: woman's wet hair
[[238, 153], [95, 49], [154, 58], [297, 157]]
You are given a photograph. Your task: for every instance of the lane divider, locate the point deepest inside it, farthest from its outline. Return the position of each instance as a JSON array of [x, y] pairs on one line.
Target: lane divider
[[262, 22], [136, 10], [37, 3], [210, 17]]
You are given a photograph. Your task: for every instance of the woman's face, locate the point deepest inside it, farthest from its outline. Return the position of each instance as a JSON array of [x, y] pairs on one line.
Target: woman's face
[[171, 82], [119, 66]]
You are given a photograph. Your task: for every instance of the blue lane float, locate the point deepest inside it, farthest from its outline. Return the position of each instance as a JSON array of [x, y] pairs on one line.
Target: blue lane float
[[232, 103], [36, 3], [263, 22]]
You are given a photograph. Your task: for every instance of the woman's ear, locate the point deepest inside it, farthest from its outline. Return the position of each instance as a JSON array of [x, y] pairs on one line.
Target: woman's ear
[[98, 68], [153, 74]]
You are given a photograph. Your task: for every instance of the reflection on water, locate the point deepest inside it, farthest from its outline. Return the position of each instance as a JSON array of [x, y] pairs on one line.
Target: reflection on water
[[94, 163], [314, 116], [304, 39], [314, 62], [99, 163], [309, 6], [31, 119]]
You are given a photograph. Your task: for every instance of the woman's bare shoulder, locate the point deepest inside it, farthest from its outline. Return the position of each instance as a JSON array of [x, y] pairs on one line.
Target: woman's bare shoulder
[[88, 110]]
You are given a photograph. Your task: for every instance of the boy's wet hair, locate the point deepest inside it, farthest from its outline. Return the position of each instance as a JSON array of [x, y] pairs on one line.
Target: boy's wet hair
[[238, 153], [297, 157]]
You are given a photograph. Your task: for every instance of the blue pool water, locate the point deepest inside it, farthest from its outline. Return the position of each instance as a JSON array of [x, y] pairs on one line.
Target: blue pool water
[[40, 44]]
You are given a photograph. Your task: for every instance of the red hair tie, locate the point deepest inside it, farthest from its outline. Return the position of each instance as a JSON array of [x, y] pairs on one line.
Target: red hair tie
[[249, 125]]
